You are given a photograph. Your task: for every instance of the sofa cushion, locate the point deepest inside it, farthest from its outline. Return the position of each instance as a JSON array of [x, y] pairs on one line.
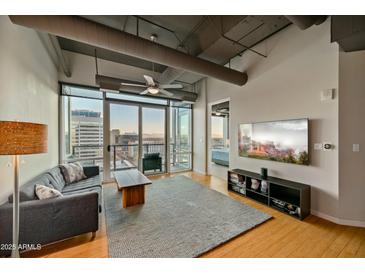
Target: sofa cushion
[[58, 182], [87, 190], [27, 191], [84, 184]]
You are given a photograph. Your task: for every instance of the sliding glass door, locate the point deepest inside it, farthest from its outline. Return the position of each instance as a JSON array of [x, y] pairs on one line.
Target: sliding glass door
[[137, 137], [124, 136], [153, 140]]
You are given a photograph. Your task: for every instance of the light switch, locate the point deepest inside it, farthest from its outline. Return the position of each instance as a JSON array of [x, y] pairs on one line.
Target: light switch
[[328, 94], [318, 146], [356, 147]]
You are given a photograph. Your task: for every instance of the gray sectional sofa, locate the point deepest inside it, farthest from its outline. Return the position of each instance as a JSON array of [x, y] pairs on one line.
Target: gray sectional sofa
[[46, 221]]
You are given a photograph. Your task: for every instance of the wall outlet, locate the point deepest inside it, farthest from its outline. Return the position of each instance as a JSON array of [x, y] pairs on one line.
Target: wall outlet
[[318, 146], [356, 147]]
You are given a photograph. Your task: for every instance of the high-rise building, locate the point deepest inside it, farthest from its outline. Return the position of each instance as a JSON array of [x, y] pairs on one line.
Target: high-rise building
[[86, 134], [114, 133]]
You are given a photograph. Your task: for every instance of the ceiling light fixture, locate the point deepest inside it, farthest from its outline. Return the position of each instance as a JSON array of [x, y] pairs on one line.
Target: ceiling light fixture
[[153, 90]]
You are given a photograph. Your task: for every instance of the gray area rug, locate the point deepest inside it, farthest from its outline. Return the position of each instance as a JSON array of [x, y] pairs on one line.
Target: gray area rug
[[181, 218]]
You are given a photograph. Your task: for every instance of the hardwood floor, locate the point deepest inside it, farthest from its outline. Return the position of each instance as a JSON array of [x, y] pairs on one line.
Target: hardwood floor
[[282, 236]]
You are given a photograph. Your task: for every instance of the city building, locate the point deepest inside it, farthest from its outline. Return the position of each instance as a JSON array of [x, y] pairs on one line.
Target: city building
[[86, 134]]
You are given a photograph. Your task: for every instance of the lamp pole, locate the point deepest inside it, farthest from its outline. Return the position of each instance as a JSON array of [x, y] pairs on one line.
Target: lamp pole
[[15, 246]]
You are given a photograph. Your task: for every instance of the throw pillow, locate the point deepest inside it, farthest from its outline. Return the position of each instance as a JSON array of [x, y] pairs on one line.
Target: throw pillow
[[68, 173], [45, 192], [72, 172], [79, 171]]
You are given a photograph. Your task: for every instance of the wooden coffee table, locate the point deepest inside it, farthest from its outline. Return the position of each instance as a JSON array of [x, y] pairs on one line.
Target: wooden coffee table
[[131, 182]]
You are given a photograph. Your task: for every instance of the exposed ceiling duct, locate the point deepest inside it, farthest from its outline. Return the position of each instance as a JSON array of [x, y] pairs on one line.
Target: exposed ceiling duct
[[305, 21], [348, 31], [83, 30], [169, 75], [111, 84]]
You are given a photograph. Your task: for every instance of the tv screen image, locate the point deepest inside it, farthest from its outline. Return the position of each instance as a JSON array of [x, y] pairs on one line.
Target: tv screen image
[[282, 141]]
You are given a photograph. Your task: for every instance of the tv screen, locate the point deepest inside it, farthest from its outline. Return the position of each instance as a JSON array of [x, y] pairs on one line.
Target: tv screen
[[281, 141]]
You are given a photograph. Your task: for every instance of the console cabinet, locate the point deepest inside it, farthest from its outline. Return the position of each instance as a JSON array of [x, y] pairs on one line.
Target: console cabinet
[[289, 197]]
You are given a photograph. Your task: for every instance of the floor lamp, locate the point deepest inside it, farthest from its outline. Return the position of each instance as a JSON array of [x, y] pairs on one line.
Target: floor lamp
[[20, 138]]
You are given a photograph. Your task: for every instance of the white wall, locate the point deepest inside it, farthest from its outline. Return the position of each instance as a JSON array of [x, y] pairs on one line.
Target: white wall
[[28, 92], [287, 85], [352, 131], [200, 128]]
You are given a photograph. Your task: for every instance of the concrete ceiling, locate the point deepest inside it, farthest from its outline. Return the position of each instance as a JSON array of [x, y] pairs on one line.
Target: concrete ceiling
[[213, 38]]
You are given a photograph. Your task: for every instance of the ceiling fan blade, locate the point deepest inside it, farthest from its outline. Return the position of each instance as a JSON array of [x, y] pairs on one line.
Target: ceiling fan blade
[[168, 93], [149, 80], [144, 92], [171, 86], [133, 85]]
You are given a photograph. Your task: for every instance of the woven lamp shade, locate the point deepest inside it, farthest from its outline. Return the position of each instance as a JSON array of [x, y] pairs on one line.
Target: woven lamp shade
[[19, 138]]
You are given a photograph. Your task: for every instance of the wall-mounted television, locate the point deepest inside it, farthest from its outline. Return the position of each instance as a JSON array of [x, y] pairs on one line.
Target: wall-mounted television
[[282, 141]]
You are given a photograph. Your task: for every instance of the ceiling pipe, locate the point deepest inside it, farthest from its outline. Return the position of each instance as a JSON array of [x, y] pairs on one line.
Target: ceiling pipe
[[83, 30], [305, 21]]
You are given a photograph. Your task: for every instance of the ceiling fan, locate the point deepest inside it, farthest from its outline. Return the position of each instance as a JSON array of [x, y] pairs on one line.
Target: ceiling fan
[[153, 87]]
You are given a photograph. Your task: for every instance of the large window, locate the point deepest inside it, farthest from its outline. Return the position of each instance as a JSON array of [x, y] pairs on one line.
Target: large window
[[82, 126], [138, 130]]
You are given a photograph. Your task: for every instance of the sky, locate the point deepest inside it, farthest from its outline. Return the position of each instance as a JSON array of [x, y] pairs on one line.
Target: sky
[[125, 117], [83, 103]]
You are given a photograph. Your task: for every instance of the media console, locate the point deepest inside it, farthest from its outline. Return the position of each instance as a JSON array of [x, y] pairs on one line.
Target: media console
[[286, 196]]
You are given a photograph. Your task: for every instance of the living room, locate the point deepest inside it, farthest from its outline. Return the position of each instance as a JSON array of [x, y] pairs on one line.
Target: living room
[[182, 136]]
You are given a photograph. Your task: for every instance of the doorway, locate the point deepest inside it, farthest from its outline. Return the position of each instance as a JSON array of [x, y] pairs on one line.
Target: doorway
[[219, 138]]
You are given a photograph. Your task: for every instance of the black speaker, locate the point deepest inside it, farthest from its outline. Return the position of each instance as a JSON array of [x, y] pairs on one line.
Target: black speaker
[[264, 173]]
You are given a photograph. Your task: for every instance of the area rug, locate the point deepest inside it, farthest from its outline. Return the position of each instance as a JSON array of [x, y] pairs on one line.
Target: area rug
[[180, 219]]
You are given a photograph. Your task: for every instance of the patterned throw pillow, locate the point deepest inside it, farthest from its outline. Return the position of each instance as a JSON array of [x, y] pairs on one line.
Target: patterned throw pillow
[[79, 171], [45, 192], [72, 172]]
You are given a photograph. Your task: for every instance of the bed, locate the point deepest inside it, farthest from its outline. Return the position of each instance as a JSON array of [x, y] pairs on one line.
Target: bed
[[220, 156]]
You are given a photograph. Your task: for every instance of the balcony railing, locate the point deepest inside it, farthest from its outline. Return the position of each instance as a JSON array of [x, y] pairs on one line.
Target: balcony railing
[[126, 156]]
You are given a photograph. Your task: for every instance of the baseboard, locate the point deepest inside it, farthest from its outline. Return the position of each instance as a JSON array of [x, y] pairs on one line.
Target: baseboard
[[324, 216], [199, 171], [338, 220]]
